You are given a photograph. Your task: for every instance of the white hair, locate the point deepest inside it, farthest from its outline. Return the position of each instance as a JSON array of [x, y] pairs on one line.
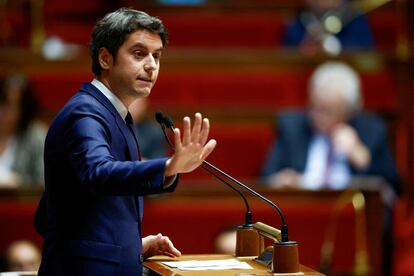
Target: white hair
[[338, 77]]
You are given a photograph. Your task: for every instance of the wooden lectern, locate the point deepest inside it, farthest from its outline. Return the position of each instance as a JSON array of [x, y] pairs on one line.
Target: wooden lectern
[[285, 258], [155, 266]]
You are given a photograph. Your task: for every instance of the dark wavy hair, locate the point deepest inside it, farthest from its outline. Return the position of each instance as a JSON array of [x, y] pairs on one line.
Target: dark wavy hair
[[111, 31], [28, 103]]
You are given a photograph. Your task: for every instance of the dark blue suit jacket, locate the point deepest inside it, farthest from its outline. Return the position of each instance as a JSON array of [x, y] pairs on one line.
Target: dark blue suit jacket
[[294, 134], [90, 214]]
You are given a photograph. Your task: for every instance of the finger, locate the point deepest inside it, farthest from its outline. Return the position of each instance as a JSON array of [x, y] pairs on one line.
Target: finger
[[186, 130], [208, 148], [172, 255], [177, 139], [166, 254], [167, 247], [171, 248], [166, 242], [195, 134], [175, 252], [204, 132]]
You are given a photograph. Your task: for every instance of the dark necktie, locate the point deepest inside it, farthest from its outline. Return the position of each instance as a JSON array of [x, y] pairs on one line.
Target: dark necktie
[[138, 200], [329, 162], [130, 123]]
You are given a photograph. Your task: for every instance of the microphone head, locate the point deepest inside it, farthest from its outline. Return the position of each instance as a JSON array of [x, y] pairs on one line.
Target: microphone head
[[168, 122], [159, 117]]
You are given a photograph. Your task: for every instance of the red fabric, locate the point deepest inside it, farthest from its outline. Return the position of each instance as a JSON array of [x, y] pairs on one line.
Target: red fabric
[[264, 89], [404, 239], [54, 89], [65, 31], [73, 7], [16, 222], [385, 26], [223, 29], [405, 265], [240, 150], [210, 28]]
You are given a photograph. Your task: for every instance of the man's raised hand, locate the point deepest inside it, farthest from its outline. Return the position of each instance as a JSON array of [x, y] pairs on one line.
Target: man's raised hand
[[192, 148]]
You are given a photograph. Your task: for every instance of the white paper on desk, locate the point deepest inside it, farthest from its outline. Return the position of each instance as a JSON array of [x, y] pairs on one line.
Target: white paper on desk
[[209, 265]]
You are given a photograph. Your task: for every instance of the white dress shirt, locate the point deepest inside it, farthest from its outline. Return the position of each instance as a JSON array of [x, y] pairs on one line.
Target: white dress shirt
[[314, 176]]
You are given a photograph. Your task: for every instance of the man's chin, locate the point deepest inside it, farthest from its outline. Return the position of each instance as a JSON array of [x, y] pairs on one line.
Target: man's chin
[[142, 93]]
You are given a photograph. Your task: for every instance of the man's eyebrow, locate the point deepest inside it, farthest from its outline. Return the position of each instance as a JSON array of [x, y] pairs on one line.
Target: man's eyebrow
[[143, 46]]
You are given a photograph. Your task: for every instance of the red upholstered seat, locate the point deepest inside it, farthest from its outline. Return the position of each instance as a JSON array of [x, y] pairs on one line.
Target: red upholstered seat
[[386, 27], [240, 150], [269, 89], [65, 31], [223, 29], [405, 265], [217, 88], [73, 20], [16, 222], [55, 88], [404, 239]]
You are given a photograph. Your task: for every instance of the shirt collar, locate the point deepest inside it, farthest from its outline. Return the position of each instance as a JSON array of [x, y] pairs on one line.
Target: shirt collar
[[116, 102]]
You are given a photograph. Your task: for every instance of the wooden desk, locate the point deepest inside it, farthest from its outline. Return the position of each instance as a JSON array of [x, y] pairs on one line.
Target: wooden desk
[[155, 266]]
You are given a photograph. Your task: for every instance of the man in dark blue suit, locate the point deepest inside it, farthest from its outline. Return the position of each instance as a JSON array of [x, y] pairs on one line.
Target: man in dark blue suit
[[90, 214]]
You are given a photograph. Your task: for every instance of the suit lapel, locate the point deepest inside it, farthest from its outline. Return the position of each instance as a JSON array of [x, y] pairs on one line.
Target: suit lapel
[[129, 139]]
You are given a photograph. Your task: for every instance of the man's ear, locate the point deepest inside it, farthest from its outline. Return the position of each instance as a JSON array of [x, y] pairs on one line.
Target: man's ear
[[105, 58]]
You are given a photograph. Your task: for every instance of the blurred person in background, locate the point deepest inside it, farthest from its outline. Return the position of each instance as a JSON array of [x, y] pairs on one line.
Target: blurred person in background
[[149, 134], [329, 26], [334, 144], [22, 255], [331, 142], [21, 135]]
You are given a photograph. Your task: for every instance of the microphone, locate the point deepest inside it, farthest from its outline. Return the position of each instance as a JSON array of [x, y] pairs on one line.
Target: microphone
[[284, 229], [160, 119]]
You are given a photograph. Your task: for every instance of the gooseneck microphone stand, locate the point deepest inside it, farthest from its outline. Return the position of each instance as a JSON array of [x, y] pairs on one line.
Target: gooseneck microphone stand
[[285, 252]]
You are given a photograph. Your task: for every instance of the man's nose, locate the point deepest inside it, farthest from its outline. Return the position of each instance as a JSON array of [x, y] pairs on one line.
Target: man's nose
[[150, 63]]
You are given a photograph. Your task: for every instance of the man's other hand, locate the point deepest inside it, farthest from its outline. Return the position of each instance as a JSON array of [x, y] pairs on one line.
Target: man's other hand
[[158, 245]]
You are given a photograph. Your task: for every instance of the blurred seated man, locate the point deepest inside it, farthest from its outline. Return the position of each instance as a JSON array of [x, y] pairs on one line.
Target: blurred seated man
[[22, 255], [21, 135], [332, 142], [150, 137], [329, 26]]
